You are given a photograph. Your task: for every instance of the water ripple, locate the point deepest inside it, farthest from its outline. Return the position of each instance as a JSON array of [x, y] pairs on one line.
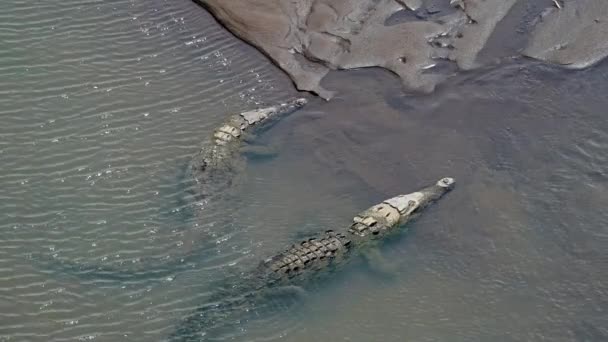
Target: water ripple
[[103, 103]]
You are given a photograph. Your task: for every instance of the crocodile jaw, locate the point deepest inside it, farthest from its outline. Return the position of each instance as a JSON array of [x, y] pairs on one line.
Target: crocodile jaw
[[236, 125], [408, 204], [381, 218], [255, 117]]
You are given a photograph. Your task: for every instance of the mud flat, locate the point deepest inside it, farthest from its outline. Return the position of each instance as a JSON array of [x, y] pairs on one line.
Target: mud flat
[[575, 35], [422, 41]]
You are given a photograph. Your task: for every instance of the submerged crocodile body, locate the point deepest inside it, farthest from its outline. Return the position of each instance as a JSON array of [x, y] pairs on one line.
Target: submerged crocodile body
[[215, 165], [309, 260], [213, 170]]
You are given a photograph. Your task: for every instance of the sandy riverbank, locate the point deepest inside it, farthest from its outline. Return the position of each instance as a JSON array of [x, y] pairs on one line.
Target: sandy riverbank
[[422, 41]]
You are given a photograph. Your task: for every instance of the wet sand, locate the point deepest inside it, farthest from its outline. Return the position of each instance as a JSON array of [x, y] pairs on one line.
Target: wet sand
[[574, 36], [421, 41]]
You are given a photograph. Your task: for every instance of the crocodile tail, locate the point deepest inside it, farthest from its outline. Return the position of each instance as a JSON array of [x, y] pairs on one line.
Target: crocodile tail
[[232, 311], [212, 320]]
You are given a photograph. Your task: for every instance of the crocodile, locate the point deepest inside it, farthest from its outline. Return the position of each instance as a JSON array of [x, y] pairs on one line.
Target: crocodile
[[213, 170], [307, 261], [220, 159]]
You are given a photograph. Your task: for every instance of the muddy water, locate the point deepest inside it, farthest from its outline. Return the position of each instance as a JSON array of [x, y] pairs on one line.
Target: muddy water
[[517, 251], [103, 103]]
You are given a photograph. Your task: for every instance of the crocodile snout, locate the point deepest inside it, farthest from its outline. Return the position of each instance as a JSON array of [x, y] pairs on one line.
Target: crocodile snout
[[446, 182]]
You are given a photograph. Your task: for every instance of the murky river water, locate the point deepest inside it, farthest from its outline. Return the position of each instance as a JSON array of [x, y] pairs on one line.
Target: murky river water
[[103, 103]]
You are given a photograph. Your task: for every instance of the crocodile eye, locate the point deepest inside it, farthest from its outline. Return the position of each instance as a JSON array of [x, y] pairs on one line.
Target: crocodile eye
[[446, 182]]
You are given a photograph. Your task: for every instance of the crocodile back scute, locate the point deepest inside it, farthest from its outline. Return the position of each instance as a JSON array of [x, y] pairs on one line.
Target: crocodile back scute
[[309, 255]]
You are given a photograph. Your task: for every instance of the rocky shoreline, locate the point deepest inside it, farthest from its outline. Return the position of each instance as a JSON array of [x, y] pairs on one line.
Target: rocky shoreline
[[421, 41]]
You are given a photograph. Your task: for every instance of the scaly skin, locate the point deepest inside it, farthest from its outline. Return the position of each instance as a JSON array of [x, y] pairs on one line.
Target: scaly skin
[[309, 260], [331, 249], [216, 164]]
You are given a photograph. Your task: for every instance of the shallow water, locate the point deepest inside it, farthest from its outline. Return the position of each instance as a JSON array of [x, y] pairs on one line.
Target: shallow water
[[103, 103]]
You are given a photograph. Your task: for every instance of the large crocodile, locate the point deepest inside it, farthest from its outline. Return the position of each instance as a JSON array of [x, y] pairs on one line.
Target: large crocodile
[[307, 261]]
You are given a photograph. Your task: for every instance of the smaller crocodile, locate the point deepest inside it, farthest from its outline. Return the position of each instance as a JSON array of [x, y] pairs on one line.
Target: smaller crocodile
[[213, 169], [307, 261], [219, 160]]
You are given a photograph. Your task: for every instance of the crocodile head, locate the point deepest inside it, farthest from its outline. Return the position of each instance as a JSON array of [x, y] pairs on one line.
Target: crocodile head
[[232, 130], [381, 218], [255, 117]]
